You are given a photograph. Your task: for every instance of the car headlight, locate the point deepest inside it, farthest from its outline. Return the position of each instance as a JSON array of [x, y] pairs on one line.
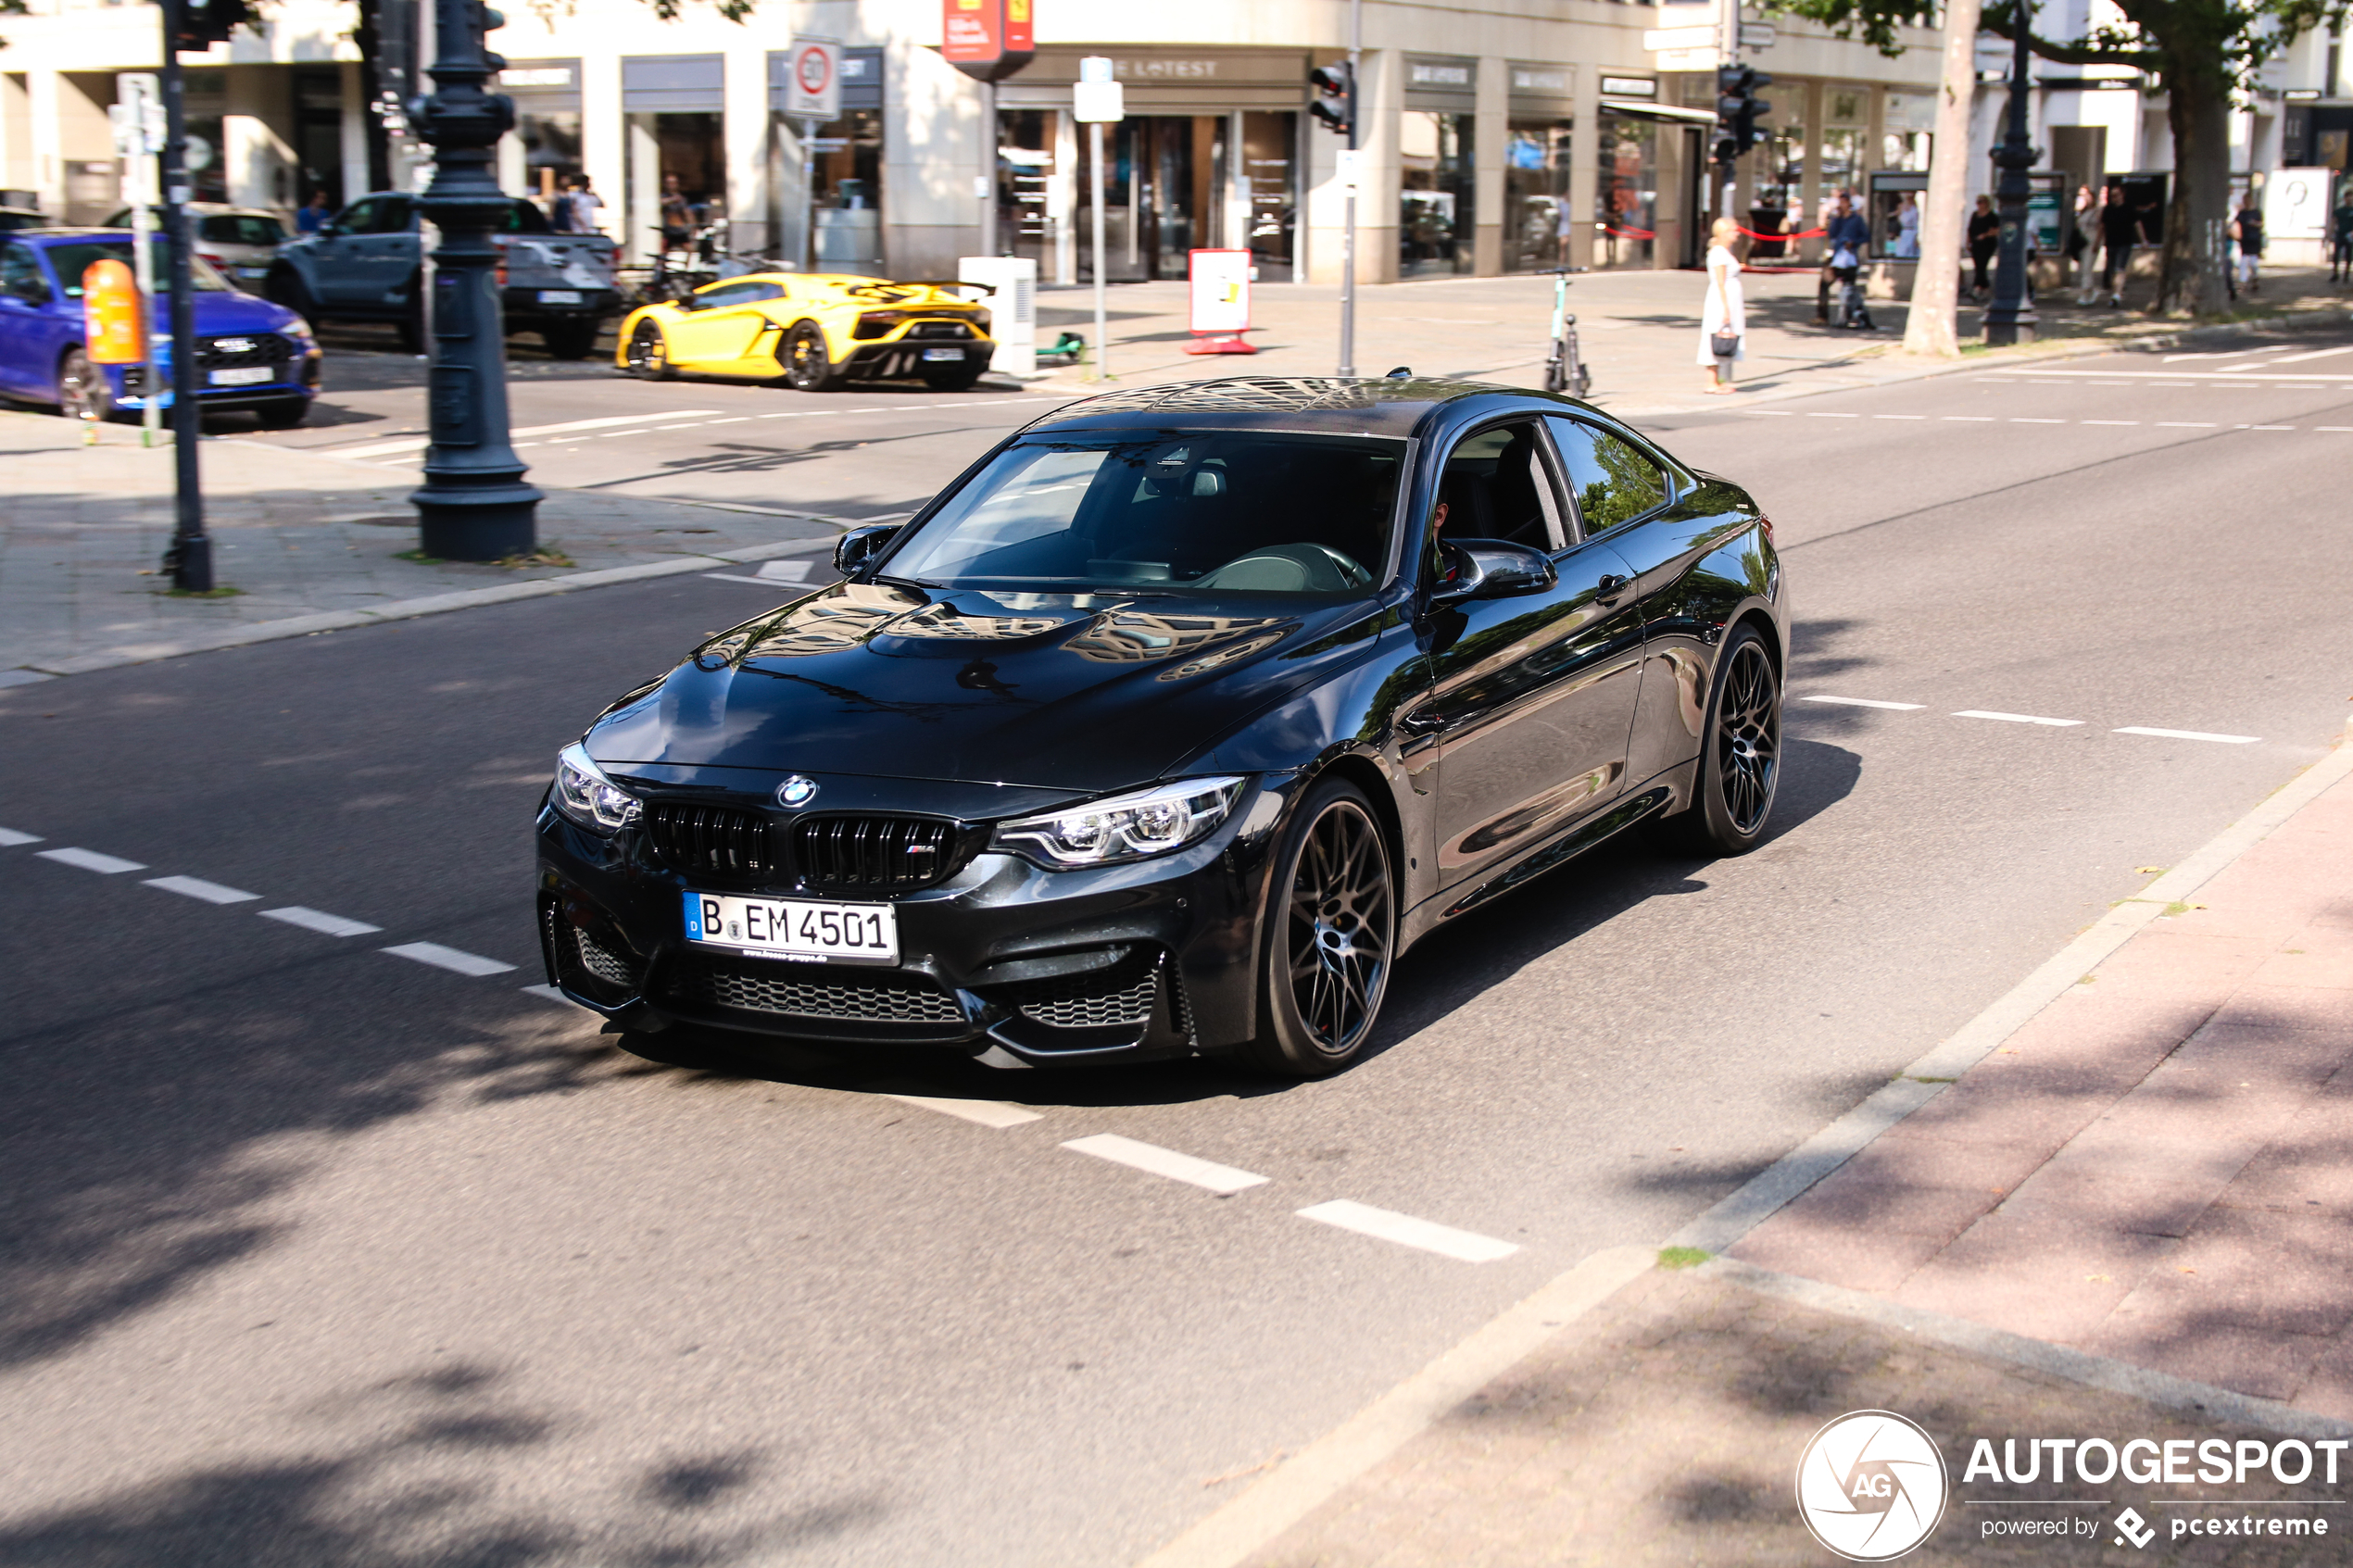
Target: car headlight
[[1125, 827], [584, 794]]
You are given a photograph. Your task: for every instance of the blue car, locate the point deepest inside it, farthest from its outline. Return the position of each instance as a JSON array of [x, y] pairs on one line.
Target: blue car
[[251, 354]]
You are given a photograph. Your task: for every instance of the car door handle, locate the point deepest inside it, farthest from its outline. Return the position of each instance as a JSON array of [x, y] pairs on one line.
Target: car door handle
[[1611, 587]]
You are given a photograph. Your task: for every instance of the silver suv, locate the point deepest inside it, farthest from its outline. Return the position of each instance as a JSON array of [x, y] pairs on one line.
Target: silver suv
[[240, 242], [367, 265]]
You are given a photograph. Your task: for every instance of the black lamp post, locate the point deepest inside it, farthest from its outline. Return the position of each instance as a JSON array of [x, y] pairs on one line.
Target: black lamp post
[[473, 505], [2010, 319]]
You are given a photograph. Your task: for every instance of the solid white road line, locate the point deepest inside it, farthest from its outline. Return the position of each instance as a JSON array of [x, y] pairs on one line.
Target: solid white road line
[[320, 922], [2188, 734], [91, 860], [987, 1113], [197, 887], [418, 443], [1406, 1230], [449, 959], [2017, 718], [2315, 353], [1223, 1180], [2212, 378], [1866, 702], [11, 838]]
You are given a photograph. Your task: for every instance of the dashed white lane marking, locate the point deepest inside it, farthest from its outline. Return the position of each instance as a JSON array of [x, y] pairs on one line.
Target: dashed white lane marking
[[1223, 1180], [1970, 419], [11, 838], [1406, 1230], [987, 1113], [1867, 702], [418, 443], [2188, 734], [2183, 424], [1899, 416], [91, 860], [2338, 428], [450, 959], [2264, 427], [2315, 353], [2023, 421], [2017, 718], [2111, 421], [197, 887], [1817, 414], [320, 921]]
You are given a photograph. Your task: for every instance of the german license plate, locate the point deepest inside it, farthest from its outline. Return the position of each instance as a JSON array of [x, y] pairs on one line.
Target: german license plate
[[241, 375], [931, 355], [253, 271], [796, 929], [559, 297]]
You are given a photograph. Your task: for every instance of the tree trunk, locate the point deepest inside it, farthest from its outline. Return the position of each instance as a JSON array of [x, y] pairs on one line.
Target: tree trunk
[[2198, 224], [1933, 326]]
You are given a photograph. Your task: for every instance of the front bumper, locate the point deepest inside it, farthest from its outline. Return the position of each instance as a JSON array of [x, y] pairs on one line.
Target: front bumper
[[1152, 959], [297, 378]]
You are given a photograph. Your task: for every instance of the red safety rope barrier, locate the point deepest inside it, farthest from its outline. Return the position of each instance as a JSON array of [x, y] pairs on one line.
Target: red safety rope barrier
[[1800, 234], [1630, 233]]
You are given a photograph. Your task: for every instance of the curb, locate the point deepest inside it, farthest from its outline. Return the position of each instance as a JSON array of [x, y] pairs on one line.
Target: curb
[[406, 609]]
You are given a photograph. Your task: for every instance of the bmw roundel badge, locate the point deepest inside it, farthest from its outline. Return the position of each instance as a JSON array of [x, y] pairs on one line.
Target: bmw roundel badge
[[796, 791]]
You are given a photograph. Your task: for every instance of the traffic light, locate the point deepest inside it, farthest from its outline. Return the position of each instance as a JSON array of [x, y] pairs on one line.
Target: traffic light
[[197, 25], [1335, 102], [1738, 108]]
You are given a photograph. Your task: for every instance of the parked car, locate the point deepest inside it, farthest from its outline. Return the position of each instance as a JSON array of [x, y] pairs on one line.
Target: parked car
[[253, 356], [815, 331], [240, 242], [367, 265], [1171, 724], [15, 218]]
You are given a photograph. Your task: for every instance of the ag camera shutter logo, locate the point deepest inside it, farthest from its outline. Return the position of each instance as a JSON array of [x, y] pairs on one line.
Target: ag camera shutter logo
[[1871, 1485]]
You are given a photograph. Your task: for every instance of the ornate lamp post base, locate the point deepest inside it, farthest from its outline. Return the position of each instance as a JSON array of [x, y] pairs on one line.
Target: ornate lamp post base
[[488, 522], [2010, 319]]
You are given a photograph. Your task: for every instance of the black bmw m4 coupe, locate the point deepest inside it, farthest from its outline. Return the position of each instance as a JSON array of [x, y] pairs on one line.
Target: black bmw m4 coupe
[[1171, 724]]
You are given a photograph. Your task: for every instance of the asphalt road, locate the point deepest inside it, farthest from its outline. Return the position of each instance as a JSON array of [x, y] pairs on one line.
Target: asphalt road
[[321, 1255]]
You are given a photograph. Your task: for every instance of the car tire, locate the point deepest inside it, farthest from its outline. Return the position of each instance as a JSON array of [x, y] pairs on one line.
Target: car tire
[[83, 389], [1327, 941], [648, 353], [571, 340], [954, 378], [807, 364], [285, 287], [284, 414], [1740, 761]]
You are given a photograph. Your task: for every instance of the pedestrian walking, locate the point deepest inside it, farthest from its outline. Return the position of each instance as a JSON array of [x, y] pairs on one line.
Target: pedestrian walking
[[2248, 225], [2341, 236], [576, 207], [1847, 233], [312, 215], [1723, 318], [1984, 241], [2082, 244], [1908, 230], [678, 215], [2119, 226]]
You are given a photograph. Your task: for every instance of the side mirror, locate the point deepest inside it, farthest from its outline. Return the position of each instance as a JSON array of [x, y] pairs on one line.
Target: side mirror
[[1491, 569], [857, 549]]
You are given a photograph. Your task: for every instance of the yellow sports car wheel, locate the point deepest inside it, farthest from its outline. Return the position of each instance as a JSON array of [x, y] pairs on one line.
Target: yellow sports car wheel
[[808, 366], [649, 354]]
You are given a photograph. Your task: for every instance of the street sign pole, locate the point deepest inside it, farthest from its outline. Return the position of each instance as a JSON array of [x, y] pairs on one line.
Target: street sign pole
[[1098, 100], [2010, 319], [813, 99], [189, 560], [1348, 203], [139, 135]]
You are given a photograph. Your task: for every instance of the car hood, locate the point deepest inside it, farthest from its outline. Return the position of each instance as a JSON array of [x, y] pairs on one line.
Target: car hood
[[1077, 692], [221, 313]]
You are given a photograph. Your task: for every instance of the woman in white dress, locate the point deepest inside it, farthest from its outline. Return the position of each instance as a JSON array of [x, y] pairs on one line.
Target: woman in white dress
[[1724, 310], [1908, 230]]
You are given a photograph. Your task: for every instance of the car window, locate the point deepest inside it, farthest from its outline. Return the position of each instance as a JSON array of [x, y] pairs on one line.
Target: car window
[[1610, 481], [524, 218], [361, 216], [11, 221], [736, 294], [1169, 512], [239, 229], [398, 216], [1496, 485], [70, 261], [20, 276]]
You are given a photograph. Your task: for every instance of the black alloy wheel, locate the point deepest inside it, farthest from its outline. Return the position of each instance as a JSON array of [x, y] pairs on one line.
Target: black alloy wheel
[[649, 354], [1739, 769], [571, 339], [1328, 941], [82, 390], [807, 367]]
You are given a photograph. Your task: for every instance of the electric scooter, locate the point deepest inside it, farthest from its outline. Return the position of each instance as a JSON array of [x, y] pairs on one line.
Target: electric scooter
[[1564, 370]]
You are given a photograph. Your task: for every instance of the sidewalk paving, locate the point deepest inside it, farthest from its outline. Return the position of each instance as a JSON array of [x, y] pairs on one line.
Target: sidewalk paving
[[297, 536], [2147, 1184]]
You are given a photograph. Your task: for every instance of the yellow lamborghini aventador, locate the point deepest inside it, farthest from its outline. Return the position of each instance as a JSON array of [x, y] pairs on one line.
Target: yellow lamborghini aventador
[[814, 331]]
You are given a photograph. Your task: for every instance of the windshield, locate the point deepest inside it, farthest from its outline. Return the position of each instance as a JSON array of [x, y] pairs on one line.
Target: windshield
[[70, 261], [1186, 513], [240, 229]]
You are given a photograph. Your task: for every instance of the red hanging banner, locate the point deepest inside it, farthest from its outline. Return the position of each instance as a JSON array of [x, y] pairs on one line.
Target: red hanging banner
[[987, 39]]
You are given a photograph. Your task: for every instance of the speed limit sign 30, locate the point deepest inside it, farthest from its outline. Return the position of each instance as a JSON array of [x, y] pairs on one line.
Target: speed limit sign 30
[[812, 88]]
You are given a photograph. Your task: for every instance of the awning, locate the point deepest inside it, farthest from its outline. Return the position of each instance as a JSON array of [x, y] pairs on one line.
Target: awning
[[1636, 109]]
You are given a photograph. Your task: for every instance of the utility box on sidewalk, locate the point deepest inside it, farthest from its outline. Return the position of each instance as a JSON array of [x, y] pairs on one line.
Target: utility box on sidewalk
[[1012, 309]]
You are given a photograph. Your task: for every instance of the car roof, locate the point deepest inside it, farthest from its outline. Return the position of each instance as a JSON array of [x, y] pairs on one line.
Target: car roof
[[1354, 405], [59, 235]]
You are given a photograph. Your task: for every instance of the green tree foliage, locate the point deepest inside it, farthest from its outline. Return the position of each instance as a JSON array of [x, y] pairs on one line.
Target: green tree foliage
[[2199, 52]]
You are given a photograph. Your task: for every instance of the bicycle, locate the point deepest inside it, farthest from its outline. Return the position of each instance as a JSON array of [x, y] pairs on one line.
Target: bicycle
[[1565, 368]]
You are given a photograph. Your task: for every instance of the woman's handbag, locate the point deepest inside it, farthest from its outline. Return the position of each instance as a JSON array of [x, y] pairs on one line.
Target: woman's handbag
[[1724, 342]]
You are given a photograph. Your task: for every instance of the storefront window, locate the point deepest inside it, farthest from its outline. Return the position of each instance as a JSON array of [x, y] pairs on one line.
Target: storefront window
[[845, 167], [1905, 150], [1268, 192], [1164, 182], [1627, 199], [551, 149], [205, 94], [1780, 185], [1536, 211], [1435, 196], [677, 177], [1028, 214]]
